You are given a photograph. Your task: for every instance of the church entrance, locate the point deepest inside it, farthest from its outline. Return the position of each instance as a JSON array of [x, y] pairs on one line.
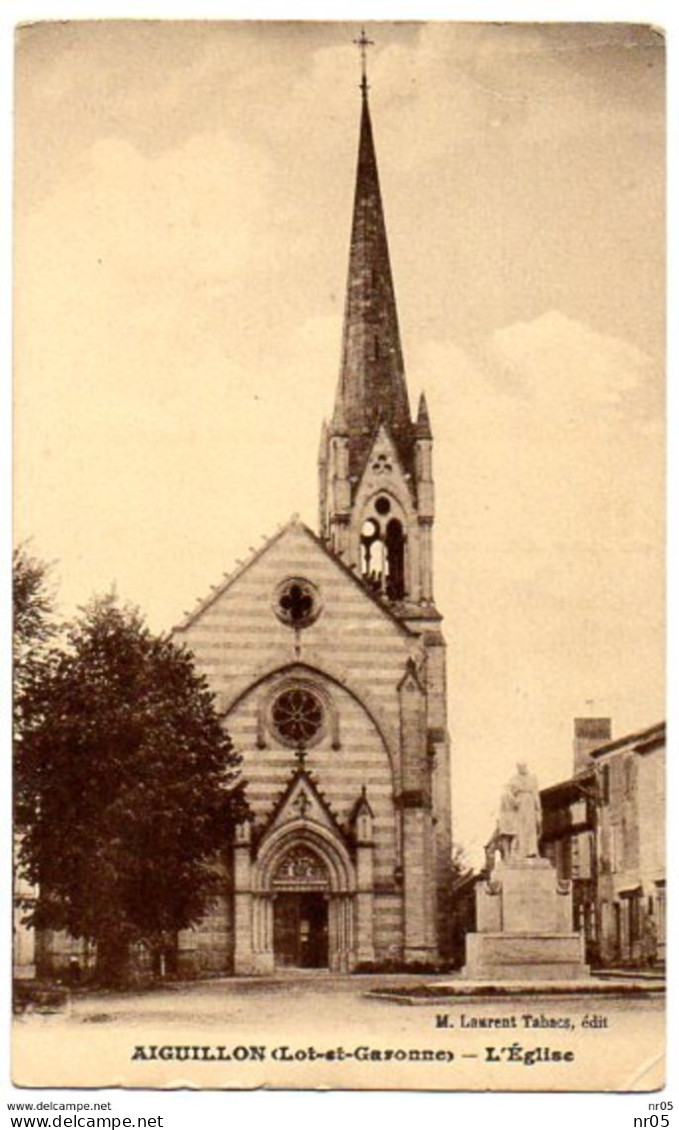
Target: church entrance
[[300, 910], [300, 930], [302, 906]]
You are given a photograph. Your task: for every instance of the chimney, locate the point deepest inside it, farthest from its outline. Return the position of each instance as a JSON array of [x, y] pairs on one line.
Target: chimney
[[588, 734]]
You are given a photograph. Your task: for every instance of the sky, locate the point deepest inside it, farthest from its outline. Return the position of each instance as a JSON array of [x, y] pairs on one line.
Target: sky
[[183, 198]]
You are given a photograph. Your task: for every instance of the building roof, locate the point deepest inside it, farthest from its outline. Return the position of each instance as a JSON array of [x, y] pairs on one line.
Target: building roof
[[642, 741], [243, 566], [573, 788]]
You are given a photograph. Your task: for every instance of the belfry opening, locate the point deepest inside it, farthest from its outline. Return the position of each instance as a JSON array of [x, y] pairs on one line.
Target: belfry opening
[[383, 552]]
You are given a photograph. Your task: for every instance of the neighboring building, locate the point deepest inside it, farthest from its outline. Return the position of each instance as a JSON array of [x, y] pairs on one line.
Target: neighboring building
[[569, 819], [604, 829], [326, 655], [630, 775]]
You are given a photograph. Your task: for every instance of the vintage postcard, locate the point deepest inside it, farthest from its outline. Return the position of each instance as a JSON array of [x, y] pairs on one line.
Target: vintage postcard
[[339, 556]]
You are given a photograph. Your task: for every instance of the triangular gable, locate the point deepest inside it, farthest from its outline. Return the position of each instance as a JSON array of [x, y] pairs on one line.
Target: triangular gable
[[383, 469], [204, 603], [301, 800], [294, 525]]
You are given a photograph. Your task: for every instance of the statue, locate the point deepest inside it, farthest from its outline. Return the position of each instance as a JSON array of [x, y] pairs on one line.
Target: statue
[[523, 789], [507, 826], [524, 911]]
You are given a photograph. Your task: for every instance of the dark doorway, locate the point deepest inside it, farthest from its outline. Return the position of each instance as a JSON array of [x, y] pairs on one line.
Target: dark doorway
[[300, 930], [617, 910]]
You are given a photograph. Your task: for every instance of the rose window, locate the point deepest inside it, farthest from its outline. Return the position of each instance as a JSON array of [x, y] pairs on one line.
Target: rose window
[[296, 602], [297, 716]]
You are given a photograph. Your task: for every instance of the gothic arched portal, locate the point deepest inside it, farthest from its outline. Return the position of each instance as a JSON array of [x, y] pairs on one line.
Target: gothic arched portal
[[304, 886]]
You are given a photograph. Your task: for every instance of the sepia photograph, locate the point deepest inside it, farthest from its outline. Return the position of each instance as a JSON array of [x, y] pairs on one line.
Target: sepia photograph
[[339, 555]]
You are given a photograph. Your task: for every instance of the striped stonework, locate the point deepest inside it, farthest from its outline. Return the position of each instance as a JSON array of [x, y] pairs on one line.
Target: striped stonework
[[361, 805]]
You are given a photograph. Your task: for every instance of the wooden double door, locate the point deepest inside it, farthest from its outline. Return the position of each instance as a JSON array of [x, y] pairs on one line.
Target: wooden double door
[[300, 930]]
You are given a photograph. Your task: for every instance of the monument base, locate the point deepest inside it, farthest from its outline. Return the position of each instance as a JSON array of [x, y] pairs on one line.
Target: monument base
[[525, 957], [524, 927]]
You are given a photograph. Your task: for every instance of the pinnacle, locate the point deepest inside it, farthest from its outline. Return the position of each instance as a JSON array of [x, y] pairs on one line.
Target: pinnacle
[[338, 424], [423, 425]]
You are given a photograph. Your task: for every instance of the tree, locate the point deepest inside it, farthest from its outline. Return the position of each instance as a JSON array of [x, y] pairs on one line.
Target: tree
[[127, 788], [459, 864], [34, 627]]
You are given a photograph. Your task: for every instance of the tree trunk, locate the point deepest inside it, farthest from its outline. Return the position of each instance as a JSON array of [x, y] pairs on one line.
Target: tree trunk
[[114, 962]]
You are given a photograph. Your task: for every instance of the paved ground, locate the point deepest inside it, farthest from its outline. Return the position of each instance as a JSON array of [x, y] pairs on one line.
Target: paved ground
[[614, 1043]]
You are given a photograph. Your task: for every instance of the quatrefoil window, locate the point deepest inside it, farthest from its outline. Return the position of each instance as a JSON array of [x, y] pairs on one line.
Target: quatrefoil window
[[297, 602]]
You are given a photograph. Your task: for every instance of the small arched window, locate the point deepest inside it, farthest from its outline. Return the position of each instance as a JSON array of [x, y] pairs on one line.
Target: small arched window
[[395, 542], [372, 554], [383, 551]]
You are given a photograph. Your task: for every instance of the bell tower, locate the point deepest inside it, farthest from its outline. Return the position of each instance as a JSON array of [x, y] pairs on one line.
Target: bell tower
[[376, 515], [375, 461]]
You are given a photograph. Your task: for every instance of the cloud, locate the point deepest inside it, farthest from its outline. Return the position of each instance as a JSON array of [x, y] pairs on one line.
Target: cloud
[[546, 420], [549, 468], [557, 359]]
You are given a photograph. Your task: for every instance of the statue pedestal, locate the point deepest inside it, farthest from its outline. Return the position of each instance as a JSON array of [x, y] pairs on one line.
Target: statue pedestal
[[524, 927]]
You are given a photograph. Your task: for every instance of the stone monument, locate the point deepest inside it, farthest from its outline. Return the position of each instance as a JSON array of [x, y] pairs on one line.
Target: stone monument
[[524, 916]]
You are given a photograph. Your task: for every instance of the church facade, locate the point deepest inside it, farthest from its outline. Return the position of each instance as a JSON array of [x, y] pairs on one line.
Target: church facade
[[325, 653]]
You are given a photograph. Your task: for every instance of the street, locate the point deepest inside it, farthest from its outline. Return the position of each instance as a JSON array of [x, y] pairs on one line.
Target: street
[[324, 1031]]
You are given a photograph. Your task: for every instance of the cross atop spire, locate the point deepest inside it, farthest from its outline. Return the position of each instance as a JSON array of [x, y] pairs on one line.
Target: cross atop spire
[[363, 43]]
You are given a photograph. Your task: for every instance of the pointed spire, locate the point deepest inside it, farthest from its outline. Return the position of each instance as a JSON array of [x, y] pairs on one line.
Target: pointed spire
[[372, 380], [423, 425]]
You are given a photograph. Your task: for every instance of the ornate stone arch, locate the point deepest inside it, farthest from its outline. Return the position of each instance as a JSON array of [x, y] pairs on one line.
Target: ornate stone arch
[[402, 506], [327, 848], [319, 668], [321, 841]]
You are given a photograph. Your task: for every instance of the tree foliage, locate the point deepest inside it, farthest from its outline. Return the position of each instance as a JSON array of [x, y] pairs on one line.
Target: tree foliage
[[34, 627], [459, 863], [126, 787]]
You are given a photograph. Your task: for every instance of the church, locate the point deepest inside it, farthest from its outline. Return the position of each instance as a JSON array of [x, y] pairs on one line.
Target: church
[[325, 653]]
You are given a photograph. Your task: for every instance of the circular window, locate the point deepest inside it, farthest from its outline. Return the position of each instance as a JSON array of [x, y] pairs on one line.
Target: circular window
[[370, 530], [382, 505], [296, 602], [297, 716]]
